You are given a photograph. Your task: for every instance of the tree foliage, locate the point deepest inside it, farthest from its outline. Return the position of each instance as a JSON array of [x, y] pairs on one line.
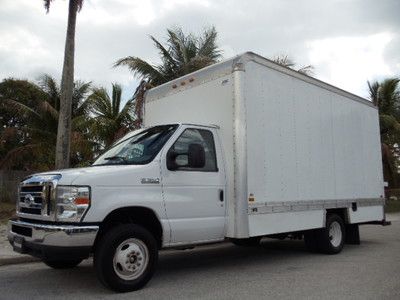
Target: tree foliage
[[386, 96], [29, 125], [110, 121], [286, 61], [180, 55]]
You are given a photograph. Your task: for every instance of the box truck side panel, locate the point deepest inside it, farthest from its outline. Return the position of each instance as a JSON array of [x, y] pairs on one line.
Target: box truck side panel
[[309, 148], [209, 102], [285, 222], [366, 214]]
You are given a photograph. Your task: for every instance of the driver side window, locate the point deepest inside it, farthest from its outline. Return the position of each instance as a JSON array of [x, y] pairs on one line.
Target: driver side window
[[195, 136]]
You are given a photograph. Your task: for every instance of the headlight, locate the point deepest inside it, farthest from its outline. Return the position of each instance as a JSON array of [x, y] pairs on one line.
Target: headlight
[[72, 202]]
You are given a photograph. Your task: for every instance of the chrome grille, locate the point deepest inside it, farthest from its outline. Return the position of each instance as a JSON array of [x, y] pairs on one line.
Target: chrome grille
[[31, 199], [36, 198]]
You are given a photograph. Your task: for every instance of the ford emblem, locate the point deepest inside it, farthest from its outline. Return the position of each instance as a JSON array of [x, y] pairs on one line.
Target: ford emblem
[[29, 199]]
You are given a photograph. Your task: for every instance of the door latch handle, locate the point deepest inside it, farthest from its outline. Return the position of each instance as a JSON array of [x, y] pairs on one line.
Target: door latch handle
[[221, 195]]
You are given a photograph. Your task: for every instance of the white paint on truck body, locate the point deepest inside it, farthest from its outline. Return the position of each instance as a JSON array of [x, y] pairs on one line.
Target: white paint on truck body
[[292, 145]]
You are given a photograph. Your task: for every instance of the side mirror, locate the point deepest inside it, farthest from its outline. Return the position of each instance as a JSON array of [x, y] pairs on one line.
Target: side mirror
[[196, 156]]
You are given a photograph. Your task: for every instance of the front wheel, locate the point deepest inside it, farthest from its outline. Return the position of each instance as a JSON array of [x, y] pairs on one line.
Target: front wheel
[[126, 257]]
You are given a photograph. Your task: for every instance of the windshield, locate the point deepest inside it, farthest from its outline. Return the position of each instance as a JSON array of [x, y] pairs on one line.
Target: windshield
[[137, 149]]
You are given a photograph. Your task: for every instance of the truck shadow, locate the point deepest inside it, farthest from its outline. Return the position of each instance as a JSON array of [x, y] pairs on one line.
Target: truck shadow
[[205, 261], [229, 255]]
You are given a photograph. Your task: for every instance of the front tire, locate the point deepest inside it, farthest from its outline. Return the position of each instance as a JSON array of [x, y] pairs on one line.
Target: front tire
[[125, 258]]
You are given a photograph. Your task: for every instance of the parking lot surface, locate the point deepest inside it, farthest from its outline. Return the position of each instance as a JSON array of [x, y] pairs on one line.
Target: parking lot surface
[[275, 270]]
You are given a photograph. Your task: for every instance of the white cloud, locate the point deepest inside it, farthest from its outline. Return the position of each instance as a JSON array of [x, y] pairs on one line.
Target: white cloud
[[120, 12], [347, 41], [351, 61]]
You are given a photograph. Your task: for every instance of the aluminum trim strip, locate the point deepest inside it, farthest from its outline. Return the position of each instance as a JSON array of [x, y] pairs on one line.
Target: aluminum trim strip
[[287, 206]]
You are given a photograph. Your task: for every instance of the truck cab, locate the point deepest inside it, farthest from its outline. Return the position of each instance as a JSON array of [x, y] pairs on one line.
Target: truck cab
[[168, 180]]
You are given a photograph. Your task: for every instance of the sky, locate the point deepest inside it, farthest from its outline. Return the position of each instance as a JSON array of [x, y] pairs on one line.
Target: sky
[[347, 41]]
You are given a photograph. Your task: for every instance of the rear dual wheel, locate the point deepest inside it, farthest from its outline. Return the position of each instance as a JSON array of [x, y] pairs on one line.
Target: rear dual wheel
[[329, 240]]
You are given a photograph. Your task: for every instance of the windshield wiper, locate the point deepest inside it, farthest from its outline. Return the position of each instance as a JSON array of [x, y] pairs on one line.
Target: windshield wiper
[[116, 157]]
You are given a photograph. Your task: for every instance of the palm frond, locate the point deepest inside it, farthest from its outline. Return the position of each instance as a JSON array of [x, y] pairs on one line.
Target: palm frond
[[207, 45], [373, 92], [165, 55], [284, 60], [388, 91], [13, 155], [141, 68], [79, 4], [47, 108], [100, 102], [182, 54], [389, 122], [176, 40], [19, 108], [47, 4], [306, 70]]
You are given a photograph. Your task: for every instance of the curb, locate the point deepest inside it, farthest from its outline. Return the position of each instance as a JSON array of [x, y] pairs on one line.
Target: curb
[[13, 260]]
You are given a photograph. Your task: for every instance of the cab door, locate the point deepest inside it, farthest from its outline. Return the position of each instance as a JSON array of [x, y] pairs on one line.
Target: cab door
[[194, 196]]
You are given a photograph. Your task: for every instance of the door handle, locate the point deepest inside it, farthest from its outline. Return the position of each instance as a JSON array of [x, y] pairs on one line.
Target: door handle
[[221, 195]]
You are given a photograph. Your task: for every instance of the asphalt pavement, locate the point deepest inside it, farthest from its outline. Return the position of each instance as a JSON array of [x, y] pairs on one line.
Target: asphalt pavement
[[275, 270]]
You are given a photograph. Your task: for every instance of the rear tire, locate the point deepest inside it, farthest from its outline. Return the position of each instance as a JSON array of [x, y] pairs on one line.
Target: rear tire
[[331, 238], [62, 264], [126, 257]]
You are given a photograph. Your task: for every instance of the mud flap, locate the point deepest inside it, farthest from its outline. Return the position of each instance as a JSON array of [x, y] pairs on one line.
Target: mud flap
[[352, 234]]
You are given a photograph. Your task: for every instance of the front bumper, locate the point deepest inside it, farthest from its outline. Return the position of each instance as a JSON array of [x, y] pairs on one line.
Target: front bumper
[[49, 241]]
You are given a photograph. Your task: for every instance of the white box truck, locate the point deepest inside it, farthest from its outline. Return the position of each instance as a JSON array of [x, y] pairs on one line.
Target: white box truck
[[237, 151]]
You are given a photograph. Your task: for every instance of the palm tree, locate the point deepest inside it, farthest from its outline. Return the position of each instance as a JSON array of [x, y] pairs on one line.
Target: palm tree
[[182, 54], [67, 82], [11, 135], [286, 61], [37, 108], [110, 122], [386, 96]]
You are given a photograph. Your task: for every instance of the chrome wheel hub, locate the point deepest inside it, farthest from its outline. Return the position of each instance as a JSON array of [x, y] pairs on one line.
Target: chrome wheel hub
[[130, 259]]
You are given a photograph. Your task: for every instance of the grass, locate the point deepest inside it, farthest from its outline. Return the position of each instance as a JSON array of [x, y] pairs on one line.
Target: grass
[[7, 210], [392, 206]]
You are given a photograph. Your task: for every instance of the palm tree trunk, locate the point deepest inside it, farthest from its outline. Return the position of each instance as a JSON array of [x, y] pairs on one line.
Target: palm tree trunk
[[67, 82], [139, 102]]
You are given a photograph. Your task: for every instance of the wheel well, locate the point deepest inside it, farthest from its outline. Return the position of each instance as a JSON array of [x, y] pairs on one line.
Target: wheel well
[[136, 215], [341, 212]]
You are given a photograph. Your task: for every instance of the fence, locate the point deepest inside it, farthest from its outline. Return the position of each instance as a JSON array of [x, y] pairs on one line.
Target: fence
[[9, 181]]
